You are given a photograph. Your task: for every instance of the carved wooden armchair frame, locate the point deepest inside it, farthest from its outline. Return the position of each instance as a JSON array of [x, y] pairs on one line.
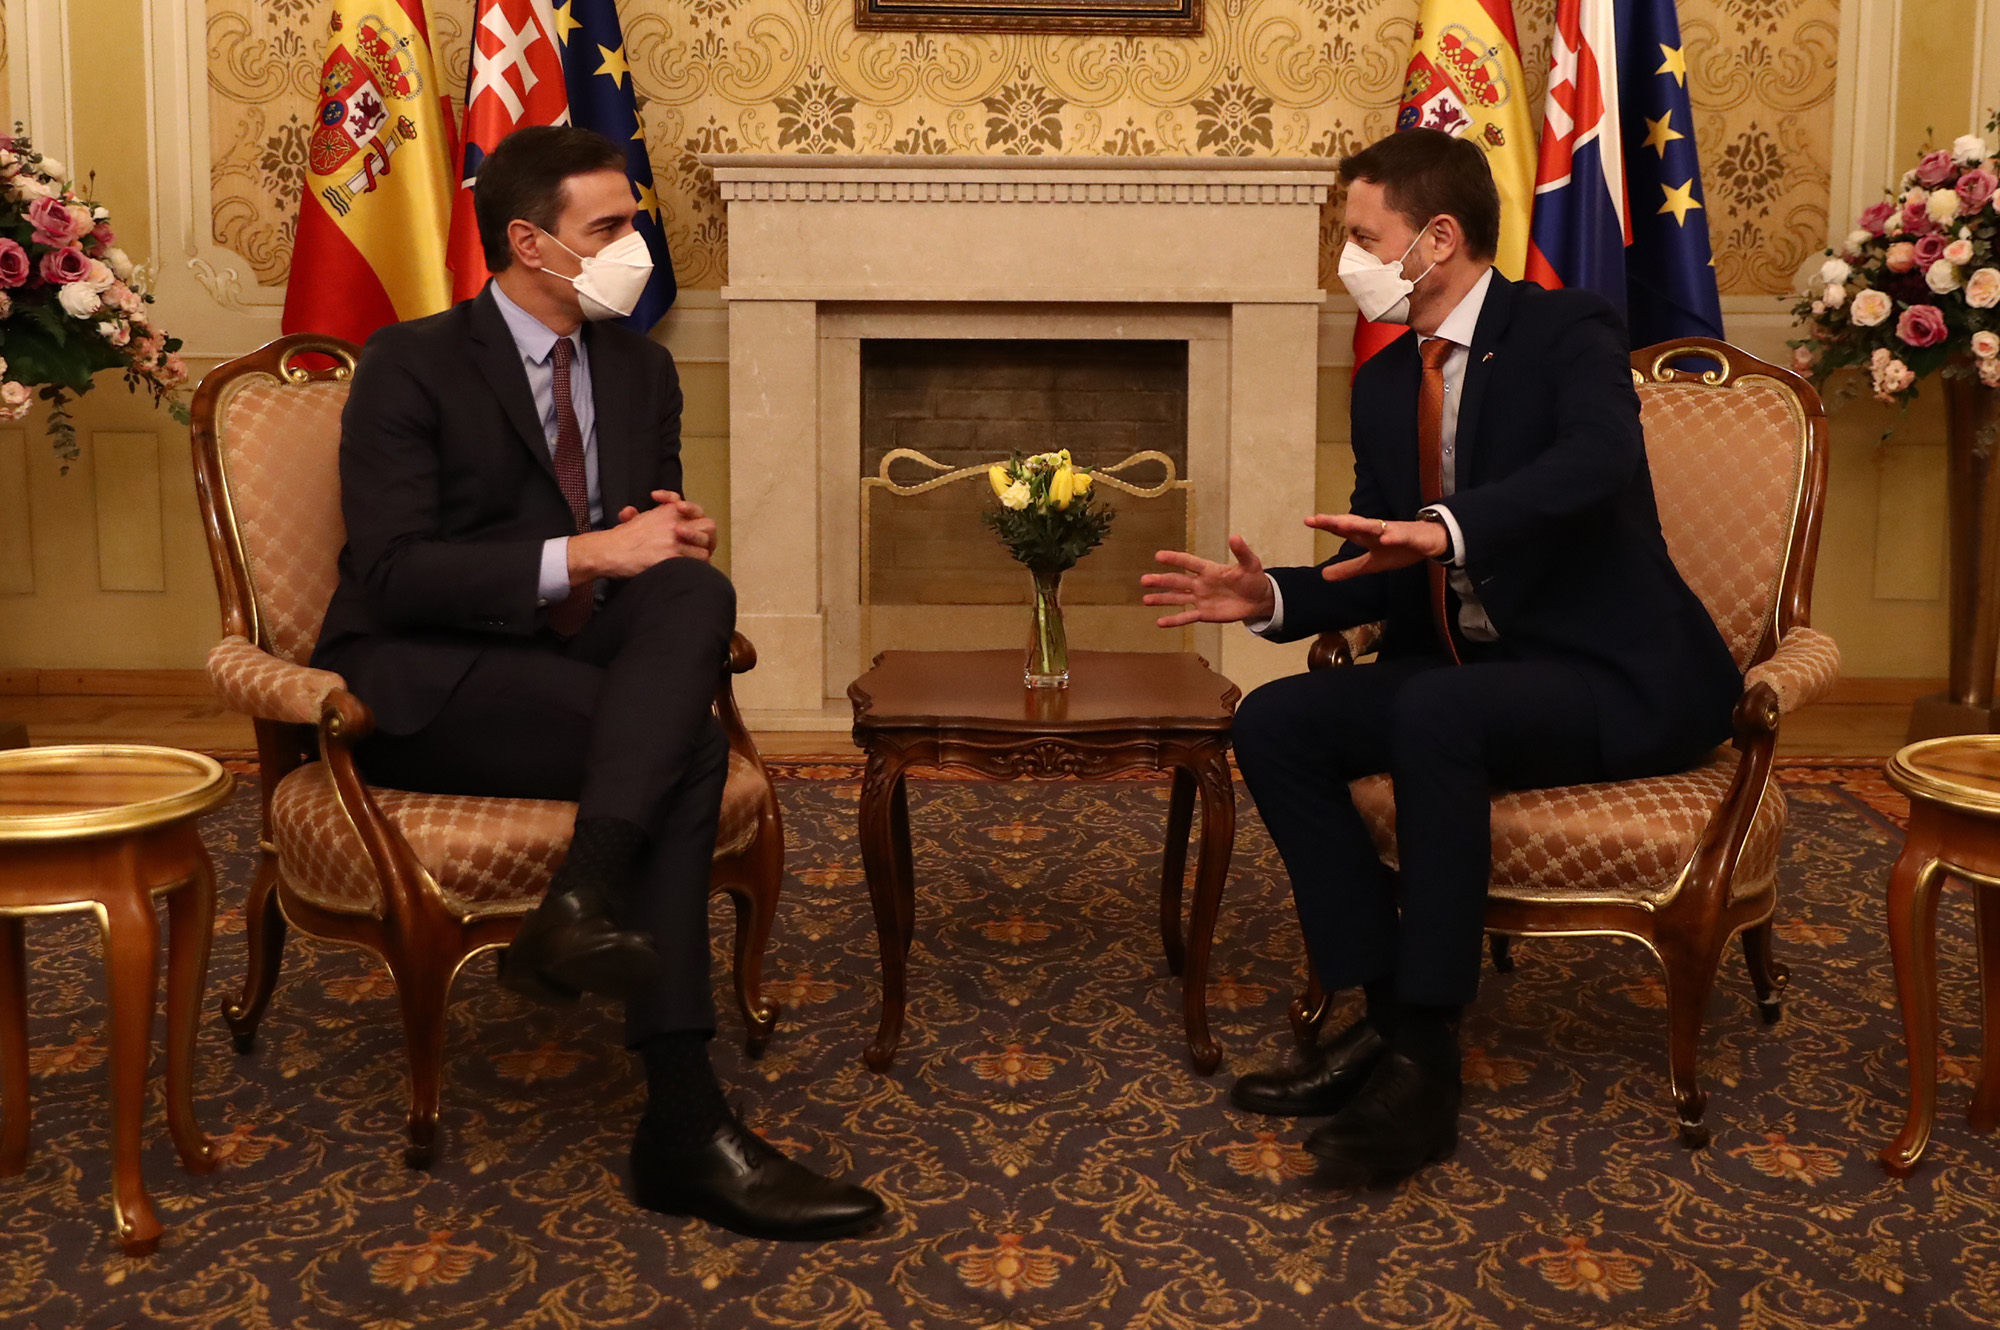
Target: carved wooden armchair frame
[[1687, 919], [424, 930]]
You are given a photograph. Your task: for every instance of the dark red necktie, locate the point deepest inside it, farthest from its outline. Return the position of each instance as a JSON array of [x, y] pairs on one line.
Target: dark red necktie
[[1430, 472], [569, 615]]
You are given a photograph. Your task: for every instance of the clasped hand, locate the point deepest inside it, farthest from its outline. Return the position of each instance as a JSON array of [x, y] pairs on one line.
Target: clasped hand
[[1234, 592], [675, 529]]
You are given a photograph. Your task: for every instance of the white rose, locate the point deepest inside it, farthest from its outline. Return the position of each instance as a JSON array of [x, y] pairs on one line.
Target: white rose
[[1989, 373], [1967, 149], [1942, 277], [27, 189], [1916, 194], [1942, 205], [1857, 241], [1015, 496], [121, 263], [1834, 296], [98, 275], [1834, 270], [78, 300], [1870, 307], [1894, 226], [1982, 289], [1959, 252], [1818, 307], [54, 169], [100, 214], [1985, 345]]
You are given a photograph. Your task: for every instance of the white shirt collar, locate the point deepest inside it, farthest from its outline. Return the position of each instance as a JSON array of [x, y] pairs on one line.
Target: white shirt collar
[[1463, 321]]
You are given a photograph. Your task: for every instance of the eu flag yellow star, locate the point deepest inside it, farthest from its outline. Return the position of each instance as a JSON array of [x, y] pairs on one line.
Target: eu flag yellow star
[[614, 64], [1661, 132], [566, 22], [1673, 62], [1680, 201], [649, 200]]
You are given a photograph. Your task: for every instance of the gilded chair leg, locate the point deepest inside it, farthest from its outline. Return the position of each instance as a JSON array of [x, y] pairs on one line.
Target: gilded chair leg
[[756, 899], [1768, 975], [1308, 1010], [264, 930], [1690, 975], [1502, 948], [422, 989]]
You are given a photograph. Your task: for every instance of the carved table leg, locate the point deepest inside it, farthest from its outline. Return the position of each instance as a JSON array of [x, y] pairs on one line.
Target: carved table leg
[[906, 868], [1985, 1113], [1913, 947], [191, 924], [1173, 871], [1218, 842], [131, 960], [13, 1046], [884, 861]]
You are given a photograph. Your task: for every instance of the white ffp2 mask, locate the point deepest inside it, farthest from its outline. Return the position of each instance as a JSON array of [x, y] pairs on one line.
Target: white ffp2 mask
[[1378, 286], [611, 280]]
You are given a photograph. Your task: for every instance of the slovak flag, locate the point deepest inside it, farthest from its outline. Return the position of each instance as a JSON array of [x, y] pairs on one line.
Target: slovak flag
[[517, 79], [1580, 227]]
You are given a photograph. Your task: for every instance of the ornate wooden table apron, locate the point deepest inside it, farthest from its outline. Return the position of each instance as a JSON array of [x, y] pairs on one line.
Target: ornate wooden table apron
[[106, 828], [1954, 789], [1122, 711]]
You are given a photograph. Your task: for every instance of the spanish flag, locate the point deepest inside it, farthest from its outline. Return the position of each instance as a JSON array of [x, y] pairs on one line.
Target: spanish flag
[[1464, 78], [376, 208]]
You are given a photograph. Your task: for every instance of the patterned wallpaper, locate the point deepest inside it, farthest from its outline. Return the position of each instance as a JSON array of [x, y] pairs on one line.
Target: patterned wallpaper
[[1269, 77]]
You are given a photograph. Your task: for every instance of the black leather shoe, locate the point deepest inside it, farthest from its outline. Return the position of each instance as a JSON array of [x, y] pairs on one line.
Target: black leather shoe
[[569, 945], [1403, 1118], [742, 1184], [1323, 1081]]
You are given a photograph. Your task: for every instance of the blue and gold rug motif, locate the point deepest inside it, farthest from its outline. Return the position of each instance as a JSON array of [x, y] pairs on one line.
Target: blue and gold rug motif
[[1048, 1157]]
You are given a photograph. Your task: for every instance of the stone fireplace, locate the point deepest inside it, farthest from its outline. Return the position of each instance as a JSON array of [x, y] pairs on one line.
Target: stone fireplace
[[838, 265]]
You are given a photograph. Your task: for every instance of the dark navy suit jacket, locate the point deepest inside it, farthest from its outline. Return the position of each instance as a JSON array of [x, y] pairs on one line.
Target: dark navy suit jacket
[[449, 492], [1562, 535]]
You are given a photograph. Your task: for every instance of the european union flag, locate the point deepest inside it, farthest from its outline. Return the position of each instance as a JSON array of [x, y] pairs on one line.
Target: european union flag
[[1669, 280], [600, 98]]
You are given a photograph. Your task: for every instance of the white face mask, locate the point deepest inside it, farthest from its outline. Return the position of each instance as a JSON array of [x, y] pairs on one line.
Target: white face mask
[[1377, 285], [612, 279]]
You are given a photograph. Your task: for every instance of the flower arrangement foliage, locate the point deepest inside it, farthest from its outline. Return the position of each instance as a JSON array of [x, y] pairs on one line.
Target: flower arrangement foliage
[[71, 302], [1045, 515], [1914, 289]]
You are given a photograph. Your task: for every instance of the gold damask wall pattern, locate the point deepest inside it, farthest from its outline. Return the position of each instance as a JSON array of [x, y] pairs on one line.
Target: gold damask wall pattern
[[1268, 78]]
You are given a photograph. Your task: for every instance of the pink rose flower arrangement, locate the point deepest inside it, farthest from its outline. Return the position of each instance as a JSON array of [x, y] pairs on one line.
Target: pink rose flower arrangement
[[1918, 279]]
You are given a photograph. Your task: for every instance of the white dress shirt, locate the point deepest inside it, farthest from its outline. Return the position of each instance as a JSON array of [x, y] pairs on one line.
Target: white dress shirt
[[1457, 328]]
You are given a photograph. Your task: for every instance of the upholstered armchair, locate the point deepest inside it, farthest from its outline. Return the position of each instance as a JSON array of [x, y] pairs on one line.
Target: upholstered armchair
[[424, 881], [1683, 862]]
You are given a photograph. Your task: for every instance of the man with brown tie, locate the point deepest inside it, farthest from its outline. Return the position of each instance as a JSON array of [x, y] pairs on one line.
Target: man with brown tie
[[526, 603], [1536, 633]]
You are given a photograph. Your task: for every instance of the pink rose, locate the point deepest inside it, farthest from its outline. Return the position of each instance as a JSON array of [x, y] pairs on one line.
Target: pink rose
[[1803, 359], [13, 263], [1901, 257], [1921, 325], [61, 266], [50, 217], [1935, 169], [1929, 249], [1975, 189], [101, 237], [15, 395], [1875, 215], [1916, 218]]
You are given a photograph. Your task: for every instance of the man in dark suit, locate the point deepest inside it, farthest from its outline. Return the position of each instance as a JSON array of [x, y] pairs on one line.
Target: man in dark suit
[[526, 603], [1503, 529]]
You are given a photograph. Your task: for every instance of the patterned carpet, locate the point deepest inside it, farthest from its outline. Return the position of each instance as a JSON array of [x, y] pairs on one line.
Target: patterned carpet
[[1048, 1157]]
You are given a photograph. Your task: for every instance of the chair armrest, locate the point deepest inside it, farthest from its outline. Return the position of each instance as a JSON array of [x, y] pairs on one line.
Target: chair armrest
[[742, 659], [1343, 647], [1801, 671], [258, 684], [742, 655]]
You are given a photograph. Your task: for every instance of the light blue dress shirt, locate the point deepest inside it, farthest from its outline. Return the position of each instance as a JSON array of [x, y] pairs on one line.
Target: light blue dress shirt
[[536, 343]]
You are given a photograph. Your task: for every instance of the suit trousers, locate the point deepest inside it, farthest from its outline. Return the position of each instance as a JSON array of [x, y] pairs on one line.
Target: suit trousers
[[620, 719], [1448, 735]]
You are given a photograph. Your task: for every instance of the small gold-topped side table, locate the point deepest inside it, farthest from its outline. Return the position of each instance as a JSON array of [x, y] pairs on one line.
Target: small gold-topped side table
[[105, 828], [1954, 789]]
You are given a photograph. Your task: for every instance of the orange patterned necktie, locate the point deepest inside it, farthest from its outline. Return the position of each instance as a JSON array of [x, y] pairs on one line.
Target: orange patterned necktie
[[570, 615], [1430, 472]]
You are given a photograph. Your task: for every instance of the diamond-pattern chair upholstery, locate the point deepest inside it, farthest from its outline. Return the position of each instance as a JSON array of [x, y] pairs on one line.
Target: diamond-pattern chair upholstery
[[1738, 457], [423, 880]]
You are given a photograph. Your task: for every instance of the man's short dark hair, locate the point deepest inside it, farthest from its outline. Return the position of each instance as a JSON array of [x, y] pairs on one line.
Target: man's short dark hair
[[523, 178], [1425, 173]]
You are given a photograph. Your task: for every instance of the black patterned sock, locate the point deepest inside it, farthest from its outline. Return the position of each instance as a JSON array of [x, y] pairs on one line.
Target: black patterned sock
[[1428, 1036], [684, 1103], [1381, 996], [603, 858]]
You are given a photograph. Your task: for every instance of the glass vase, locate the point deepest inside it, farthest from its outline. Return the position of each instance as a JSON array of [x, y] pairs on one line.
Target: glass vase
[[1048, 647]]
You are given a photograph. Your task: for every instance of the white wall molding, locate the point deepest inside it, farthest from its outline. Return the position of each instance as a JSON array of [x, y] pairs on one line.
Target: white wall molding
[[1864, 108]]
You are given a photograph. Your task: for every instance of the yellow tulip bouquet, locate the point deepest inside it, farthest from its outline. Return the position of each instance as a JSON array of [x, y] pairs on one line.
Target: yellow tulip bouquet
[[1047, 521]]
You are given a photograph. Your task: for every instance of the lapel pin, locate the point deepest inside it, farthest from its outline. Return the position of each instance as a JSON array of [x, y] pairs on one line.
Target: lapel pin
[[1488, 356]]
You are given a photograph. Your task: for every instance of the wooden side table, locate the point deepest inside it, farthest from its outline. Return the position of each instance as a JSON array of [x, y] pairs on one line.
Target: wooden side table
[[1954, 789], [1122, 711], [106, 828]]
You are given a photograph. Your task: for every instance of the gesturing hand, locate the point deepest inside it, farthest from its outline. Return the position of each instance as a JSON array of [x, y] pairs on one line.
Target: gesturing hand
[[1389, 545], [1213, 592]]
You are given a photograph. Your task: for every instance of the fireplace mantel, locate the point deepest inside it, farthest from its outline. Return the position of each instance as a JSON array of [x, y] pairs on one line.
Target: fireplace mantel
[[826, 252]]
